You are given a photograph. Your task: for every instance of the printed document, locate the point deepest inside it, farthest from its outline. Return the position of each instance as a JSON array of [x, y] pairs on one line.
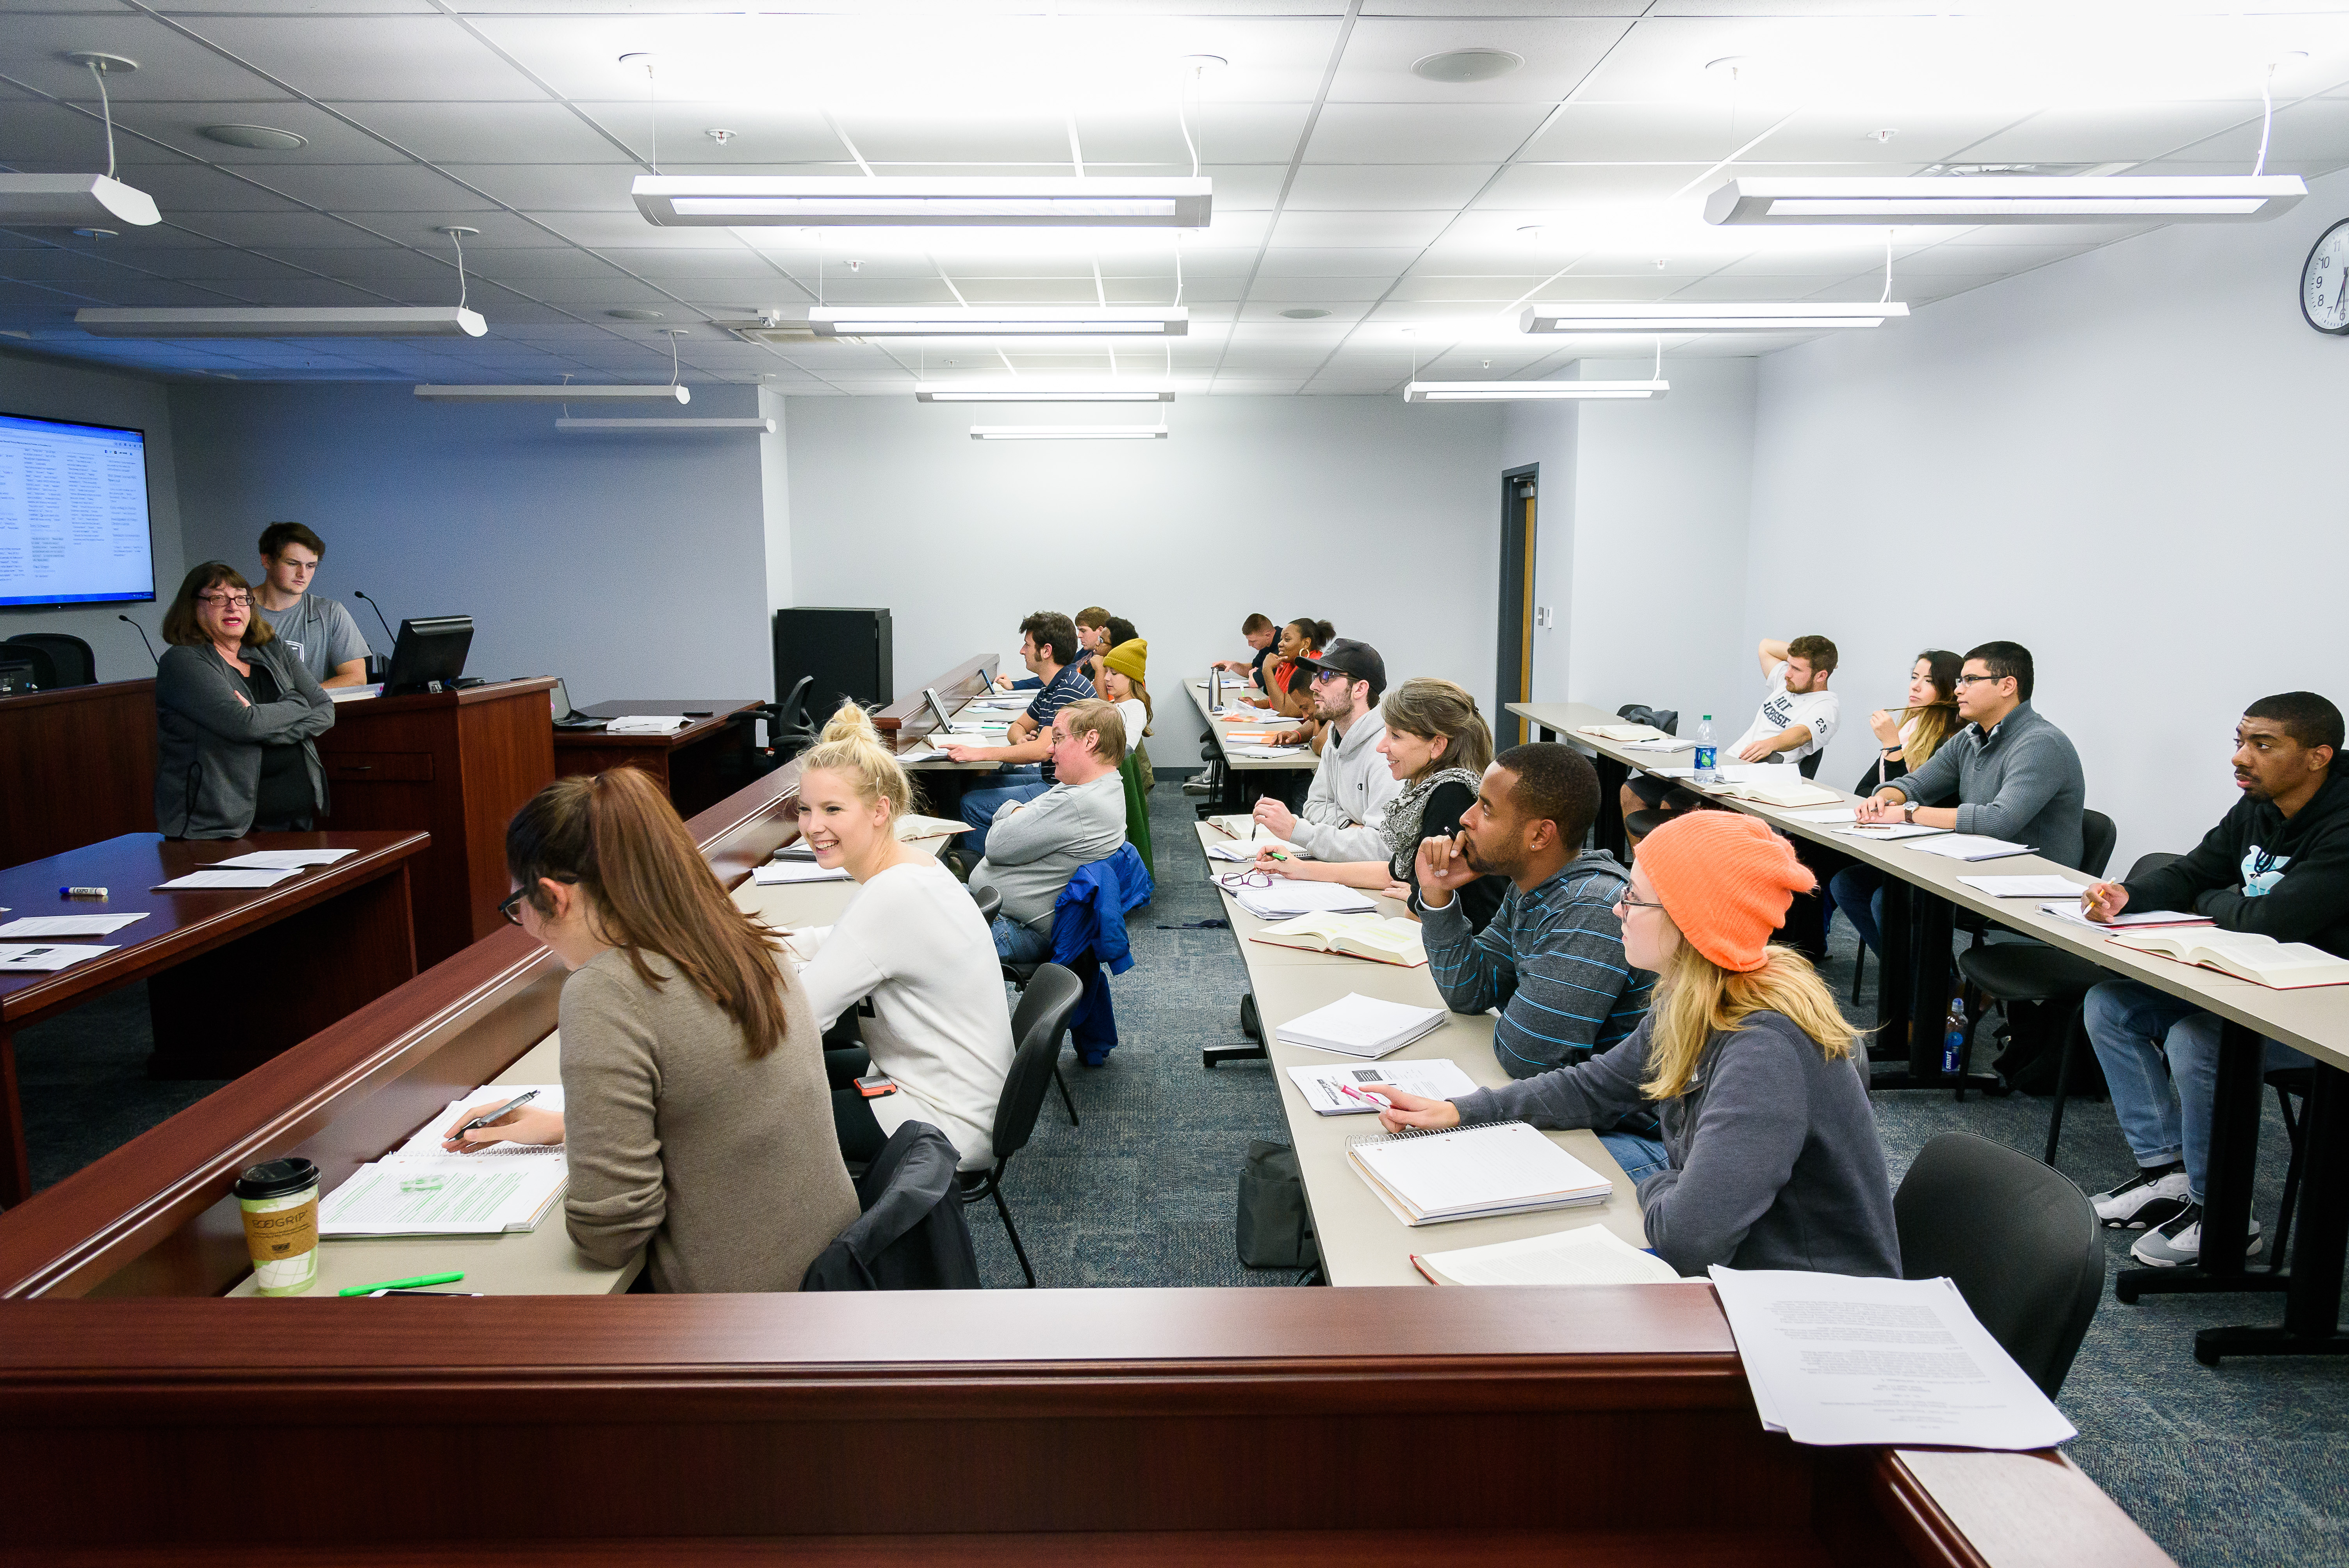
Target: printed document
[[195, 881], [285, 860], [68, 924]]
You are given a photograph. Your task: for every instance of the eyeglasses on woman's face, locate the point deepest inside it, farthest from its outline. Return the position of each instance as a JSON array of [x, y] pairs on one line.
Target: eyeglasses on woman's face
[[228, 600], [510, 907], [1628, 901]]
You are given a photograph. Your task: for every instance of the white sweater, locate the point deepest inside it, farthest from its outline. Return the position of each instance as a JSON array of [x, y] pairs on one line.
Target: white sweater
[[912, 940]]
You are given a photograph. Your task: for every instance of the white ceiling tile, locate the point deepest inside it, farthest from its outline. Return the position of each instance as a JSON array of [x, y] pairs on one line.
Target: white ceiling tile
[[1558, 53], [2113, 133], [171, 67], [1355, 187], [384, 59], [1537, 187], [551, 187], [1422, 132], [525, 132], [1363, 262], [377, 187], [1320, 229]]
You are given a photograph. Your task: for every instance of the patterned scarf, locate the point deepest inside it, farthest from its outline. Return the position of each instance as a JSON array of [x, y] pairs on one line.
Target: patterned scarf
[[1402, 827]]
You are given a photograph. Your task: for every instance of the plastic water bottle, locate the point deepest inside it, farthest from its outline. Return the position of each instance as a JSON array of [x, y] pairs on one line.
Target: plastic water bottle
[[1954, 1037], [1707, 754]]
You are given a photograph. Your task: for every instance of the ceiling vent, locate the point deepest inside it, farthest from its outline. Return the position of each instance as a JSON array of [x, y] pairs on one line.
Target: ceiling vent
[[776, 330]]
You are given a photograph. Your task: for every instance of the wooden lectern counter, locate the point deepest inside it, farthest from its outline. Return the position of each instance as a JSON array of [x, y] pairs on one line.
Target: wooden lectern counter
[[77, 765], [1380, 1425]]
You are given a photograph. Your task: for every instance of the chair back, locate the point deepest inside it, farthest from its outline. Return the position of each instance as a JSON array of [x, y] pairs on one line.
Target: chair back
[[989, 901], [35, 658], [2017, 1238], [1667, 719], [1809, 765], [71, 664], [2147, 865], [1037, 1026], [2097, 836], [790, 713]]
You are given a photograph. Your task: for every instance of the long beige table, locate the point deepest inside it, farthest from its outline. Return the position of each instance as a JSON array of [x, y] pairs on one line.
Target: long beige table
[[1238, 793], [2314, 1020], [1361, 1242]]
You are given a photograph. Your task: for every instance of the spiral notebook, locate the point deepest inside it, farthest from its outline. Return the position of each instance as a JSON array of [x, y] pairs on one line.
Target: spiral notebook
[[1473, 1172]]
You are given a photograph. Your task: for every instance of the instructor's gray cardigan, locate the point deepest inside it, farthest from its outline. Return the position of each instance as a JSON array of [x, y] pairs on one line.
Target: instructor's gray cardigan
[[1775, 1159], [208, 753]]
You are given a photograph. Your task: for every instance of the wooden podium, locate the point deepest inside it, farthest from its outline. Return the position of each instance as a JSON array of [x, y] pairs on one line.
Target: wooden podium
[[77, 765], [457, 765]]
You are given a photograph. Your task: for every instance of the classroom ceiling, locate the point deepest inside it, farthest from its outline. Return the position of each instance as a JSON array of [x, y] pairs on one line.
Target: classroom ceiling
[[1413, 216]]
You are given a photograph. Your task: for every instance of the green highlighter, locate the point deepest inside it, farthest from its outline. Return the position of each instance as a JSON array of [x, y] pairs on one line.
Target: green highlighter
[[418, 1281]]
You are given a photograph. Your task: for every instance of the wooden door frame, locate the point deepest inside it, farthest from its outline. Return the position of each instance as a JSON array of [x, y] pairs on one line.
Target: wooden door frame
[[1513, 640]]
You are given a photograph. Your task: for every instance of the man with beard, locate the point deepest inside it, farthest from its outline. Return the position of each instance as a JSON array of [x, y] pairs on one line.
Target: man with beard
[[1552, 960], [1351, 787], [2277, 864]]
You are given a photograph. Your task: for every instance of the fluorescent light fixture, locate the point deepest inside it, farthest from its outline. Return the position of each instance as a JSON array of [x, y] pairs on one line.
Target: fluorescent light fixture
[[1000, 321], [544, 393], [1528, 391], [766, 426], [72, 202], [2004, 198], [270, 320], [1068, 432], [1677, 315], [832, 201], [950, 392]]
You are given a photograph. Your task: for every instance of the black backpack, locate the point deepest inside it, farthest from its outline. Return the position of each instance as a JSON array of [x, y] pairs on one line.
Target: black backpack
[[1276, 1228]]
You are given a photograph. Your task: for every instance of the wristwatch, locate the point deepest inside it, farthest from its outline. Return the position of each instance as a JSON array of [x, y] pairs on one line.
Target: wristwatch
[[1909, 811]]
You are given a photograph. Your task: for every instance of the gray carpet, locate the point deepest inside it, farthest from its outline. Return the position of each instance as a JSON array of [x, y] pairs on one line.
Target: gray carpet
[[2242, 1465]]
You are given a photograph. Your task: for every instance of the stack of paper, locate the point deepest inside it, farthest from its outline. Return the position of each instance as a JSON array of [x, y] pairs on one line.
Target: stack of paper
[[1592, 1256], [68, 924], [1360, 1026], [1972, 847], [2069, 909], [1285, 900], [646, 724], [283, 860], [26, 960], [354, 694], [1372, 937], [1353, 1091], [1667, 743], [227, 878], [1472, 1173], [775, 873], [2027, 887], [1881, 832], [1244, 850], [419, 1190], [1835, 1361], [1620, 732]]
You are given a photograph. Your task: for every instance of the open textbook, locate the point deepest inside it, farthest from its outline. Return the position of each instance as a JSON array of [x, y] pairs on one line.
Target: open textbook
[[2245, 954], [1376, 937], [1780, 787]]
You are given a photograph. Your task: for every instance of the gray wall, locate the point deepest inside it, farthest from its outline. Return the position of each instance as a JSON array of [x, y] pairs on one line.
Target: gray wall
[[47, 389], [630, 565]]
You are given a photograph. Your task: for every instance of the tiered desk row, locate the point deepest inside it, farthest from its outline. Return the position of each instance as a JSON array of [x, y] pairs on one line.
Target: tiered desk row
[[143, 1417]]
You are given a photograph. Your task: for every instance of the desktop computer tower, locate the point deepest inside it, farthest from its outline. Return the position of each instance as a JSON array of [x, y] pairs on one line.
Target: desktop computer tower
[[847, 650]]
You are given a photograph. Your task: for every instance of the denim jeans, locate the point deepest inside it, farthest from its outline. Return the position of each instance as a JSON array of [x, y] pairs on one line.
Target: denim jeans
[[1858, 891], [1018, 944], [980, 806], [1640, 1158], [2164, 1117]]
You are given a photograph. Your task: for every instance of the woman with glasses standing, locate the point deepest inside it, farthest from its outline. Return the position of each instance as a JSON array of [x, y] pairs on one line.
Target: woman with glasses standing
[[235, 715], [1771, 1158]]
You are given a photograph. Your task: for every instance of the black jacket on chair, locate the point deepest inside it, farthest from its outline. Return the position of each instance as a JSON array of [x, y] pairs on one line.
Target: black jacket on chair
[[910, 1235]]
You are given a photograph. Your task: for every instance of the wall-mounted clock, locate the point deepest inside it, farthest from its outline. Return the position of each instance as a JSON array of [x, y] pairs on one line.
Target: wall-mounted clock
[[2324, 282]]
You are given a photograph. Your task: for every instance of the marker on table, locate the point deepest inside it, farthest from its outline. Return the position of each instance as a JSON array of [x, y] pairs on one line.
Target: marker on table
[[403, 1283], [82, 893]]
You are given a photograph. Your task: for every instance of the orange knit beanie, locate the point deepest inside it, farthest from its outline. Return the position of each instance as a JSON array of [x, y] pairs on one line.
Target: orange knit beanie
[[1725, 880]]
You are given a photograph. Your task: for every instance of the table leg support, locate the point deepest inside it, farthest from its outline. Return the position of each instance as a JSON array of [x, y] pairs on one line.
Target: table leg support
[[2312, 1313], [16, 1162], [1913, 987], [2225, 1184]]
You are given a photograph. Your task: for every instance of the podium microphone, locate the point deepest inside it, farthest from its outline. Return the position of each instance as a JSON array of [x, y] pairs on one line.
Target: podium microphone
[[142, 638], [378, 615]]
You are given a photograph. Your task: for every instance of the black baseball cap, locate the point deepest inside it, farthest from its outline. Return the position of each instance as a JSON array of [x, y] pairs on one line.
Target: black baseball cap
[[1355, 660]]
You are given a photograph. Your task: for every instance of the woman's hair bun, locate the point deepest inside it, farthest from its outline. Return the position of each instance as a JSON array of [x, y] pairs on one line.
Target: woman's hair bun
[[851, 722]]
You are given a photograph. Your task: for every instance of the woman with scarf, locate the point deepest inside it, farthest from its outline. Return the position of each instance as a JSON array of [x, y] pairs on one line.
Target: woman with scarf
[[1438, 744]]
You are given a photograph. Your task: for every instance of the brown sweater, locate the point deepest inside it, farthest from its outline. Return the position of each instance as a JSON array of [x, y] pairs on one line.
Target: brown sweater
[[729, 1167]]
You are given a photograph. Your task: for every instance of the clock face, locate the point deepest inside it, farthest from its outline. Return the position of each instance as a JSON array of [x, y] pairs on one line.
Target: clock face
[[2324, 282]]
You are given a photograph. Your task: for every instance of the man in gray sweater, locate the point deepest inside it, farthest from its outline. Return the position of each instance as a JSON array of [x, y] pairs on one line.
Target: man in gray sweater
[[2016, 776], [1034, 847]]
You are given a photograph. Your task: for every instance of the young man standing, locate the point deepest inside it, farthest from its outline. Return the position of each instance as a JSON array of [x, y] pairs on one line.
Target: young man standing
[[2278, 864], [2016, 776], [1048, 645], [1552, 960], [318, 631], [1352, 784], [1035, 847], [1797, 716]]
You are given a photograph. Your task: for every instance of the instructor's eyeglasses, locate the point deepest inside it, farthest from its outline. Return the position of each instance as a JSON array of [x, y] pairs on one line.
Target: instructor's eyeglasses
[[228, 600]]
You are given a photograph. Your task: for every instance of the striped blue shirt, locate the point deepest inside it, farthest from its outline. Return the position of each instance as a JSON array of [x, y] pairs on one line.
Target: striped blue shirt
[[1552, 961], [1066, 686]]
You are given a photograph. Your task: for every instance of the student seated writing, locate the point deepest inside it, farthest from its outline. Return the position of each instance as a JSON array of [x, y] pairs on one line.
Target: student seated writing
[[1036, 846], [1797, 716], [1437, 748], [2277, 864], [1771, 1158], [1258, 632], [1906, 739], [1345, 809], [1047, 644], [911, 944], [2016, 776], [1552, 958], [693, 1091]]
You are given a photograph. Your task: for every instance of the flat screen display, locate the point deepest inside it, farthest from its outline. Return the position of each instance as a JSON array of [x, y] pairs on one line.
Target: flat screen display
[[73, 514]]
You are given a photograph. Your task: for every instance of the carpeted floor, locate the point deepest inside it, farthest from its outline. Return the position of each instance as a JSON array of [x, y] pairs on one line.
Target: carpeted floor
[[2243, 1465]]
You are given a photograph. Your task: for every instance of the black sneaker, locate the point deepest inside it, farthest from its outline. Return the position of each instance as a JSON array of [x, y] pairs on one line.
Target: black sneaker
[[2147, 1199]]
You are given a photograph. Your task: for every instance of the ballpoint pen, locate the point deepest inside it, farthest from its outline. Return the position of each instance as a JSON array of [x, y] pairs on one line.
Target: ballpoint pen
[[487, 1117]]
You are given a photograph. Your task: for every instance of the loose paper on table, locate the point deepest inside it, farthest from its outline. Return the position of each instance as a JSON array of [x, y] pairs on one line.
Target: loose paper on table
[[68, 924], [777, 871], [219, 879], [24, 959], [285, 860], [2027, 887], [1437, 1078]]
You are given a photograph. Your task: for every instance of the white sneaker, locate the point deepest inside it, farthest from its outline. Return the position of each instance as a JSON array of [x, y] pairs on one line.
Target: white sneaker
[[2179, 1244], [2148, 1198]]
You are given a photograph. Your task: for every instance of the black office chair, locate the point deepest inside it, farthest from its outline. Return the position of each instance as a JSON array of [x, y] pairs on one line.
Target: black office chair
[[989, 901], [1019, 975], [1037, 1030], [2021, 1243], [71, 663], [36, 660], [789, 729], [1809, 765]]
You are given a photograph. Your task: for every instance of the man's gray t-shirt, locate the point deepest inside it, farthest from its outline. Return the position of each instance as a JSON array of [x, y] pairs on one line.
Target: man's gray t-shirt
[[319, 632]]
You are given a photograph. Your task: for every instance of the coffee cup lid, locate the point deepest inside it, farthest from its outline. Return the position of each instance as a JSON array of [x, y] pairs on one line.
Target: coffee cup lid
[[276, 1177]]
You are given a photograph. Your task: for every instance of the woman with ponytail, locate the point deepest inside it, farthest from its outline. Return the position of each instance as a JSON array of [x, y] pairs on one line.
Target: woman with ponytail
[[694, 1100], [911, 943], [1769, 1158]]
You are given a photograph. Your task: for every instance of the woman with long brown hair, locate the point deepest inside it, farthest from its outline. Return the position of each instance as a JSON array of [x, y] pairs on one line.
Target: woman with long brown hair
[[1906, 739], [694, 1104]]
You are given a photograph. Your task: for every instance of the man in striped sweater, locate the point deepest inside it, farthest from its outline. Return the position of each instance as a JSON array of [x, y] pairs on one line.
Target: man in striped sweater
[[1552, 960]]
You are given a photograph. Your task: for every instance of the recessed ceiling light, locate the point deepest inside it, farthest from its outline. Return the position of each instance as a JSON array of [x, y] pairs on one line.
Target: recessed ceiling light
[[1466, 66], [634, 314], [259, 137], [1305, 313]]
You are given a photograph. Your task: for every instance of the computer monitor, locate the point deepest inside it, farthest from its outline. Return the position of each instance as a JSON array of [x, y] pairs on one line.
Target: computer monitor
[[430, 654]]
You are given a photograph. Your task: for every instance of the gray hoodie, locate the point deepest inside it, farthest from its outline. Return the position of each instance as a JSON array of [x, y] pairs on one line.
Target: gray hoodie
[[1774, 1157], [1031, 852], [208, 750]]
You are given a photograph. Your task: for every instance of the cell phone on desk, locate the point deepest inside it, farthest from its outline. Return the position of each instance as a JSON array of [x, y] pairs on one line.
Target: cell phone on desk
[[876, 1085]]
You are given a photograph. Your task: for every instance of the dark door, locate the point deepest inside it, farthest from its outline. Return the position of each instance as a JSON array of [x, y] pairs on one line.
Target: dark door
[[1515, 643]]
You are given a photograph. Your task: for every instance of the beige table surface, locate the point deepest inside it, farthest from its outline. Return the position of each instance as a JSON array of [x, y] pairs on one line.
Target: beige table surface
[[1361, 1241], [1305, 760]]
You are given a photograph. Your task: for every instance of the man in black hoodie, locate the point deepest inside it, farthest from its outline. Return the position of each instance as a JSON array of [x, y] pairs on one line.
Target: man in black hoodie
[[2277, 864]]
